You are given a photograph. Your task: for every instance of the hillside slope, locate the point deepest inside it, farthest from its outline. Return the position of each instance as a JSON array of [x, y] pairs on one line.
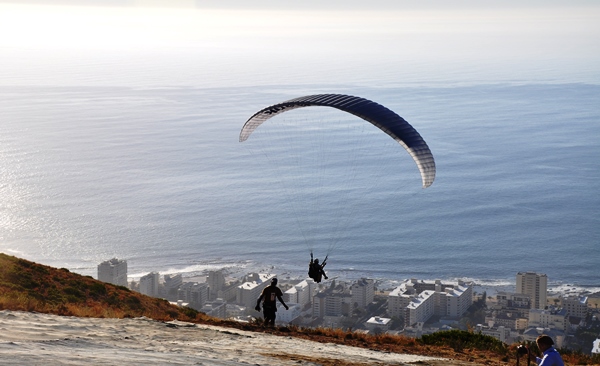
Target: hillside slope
[[31, 287]]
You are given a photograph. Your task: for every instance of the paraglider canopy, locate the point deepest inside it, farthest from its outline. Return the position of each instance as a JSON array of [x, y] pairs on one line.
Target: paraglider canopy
[[325, 163], [378, 115]]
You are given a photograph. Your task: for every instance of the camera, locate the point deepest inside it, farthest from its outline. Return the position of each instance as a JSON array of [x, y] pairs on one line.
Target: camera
[[522, 350]]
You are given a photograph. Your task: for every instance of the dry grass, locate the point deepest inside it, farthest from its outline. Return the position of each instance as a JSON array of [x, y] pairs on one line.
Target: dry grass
[[394, 344], [300, 359], [29, 286]]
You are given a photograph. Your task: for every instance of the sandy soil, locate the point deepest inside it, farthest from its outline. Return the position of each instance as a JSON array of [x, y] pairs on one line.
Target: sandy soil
[[42, 339]]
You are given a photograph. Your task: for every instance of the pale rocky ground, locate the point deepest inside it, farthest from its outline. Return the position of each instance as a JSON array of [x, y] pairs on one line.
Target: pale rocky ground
[[42, 339]]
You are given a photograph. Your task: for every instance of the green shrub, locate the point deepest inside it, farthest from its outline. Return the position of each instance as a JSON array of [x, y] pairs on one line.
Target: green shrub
[[24, 264], [74, 294], [189, 312], [112, 300], [124, 288], [54, 296], [41, 270], [25, 280], [460, 339], [133, 302], [97, 289]]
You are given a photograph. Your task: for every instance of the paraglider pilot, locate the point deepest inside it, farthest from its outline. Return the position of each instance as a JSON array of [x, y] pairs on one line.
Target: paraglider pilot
[[268, 296], [315, 270]]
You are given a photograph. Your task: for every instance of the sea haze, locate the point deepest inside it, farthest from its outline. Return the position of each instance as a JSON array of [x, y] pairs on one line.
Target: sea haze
[[158, 177]]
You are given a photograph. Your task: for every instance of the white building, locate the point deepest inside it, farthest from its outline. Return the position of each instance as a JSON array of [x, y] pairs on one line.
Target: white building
[[216, 283], [196, 294], [249, 291], [287, 316], [508, 319], [363, 292], [513, 300], [549, 318], [300, 293], [420, 308], [596, 347], [418, 301], [501, 333], [398, 300], [456, 301], [229, 291], [535, 285], [376, 323], [171, 286], [331, 304], [575, 306], [113, 271], [216, 308], [336, 301], [149, 284]]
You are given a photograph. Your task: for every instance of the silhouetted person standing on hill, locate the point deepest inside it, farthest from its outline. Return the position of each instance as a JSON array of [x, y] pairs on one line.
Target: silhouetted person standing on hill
[[269, 296]]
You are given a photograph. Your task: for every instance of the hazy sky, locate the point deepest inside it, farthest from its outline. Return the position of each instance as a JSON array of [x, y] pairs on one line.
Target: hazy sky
[[315, 4], [38, 35]]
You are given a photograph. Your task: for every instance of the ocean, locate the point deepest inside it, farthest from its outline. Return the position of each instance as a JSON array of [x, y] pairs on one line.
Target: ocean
[[157, 177], [125, 143]]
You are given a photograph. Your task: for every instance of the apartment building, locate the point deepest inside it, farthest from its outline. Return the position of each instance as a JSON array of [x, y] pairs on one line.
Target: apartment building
[[149, 284], [535, 285], [113, 271]]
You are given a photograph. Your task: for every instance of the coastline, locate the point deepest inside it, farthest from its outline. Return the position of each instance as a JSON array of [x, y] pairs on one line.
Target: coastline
[[490, 287]]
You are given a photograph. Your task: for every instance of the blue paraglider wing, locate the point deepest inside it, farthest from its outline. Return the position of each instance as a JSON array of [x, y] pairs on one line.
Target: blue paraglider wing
[[380, 116]]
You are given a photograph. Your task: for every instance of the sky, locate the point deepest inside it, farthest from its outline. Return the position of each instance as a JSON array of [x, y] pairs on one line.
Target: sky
[[311, 4], [42, 38]]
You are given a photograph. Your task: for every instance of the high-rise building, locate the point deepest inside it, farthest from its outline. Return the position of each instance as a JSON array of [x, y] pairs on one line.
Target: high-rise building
[[216, 282], [172, 284], [363, 292], [149, 284], [113, 271], [535, 285], [195, 294]]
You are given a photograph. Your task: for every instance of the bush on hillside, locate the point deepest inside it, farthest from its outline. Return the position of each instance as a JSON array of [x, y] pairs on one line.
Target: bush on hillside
[[459, 340]]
